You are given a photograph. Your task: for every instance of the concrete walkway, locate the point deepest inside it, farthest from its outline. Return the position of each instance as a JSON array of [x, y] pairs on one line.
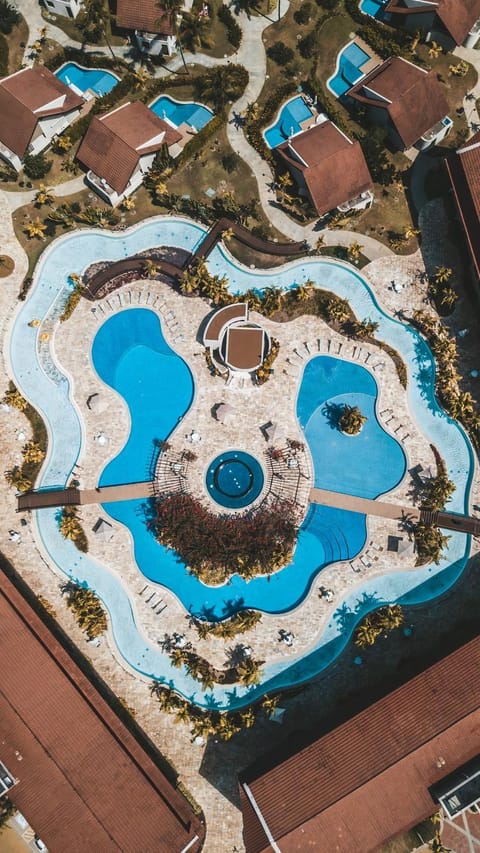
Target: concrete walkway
[[19, 199]]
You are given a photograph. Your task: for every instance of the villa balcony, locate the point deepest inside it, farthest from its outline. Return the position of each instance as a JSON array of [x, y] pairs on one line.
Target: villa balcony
[[360, 202], [436, 133], [101, 186]]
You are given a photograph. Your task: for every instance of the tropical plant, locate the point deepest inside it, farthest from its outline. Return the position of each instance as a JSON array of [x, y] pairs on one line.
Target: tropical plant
[[32, 452], [193, 32], [364, 328], [62, 143], [272, 298], [7, 810], [443, 274], [47, 606], [9, 17], [222, 84], [43, 196], [150, 267], [128, 203], [351, 420], [12, 397], [15, 477], [435, 50], [409, 231], [87, 609], [249, 672], [36, 166], [303, 292], [280, 53], [337, 310], [354, 251], [93, 21], [366, 634], [35, 228], [269, 704], [227, 234], [62, 215], [430, 542]]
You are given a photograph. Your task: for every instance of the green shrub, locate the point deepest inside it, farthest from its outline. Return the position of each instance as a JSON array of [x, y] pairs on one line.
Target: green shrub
[[303, 15], [280, 53], [309, 46], [9, 17], [234, 31], [3, 56], [36, 166], [230, 162]]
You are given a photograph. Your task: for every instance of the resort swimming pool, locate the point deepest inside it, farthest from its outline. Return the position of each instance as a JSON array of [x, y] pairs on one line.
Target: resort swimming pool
[[323, 535], [179, 112], [376, 9], [97, 79], [350, 61], [288, 122], [234, 479]]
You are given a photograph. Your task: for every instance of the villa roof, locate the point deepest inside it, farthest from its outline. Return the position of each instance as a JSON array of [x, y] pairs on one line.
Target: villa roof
[[144, 15], [114, 142], [25, 98], [84, 782], [369, 779], [411, 96], [457, 16], [464, 171], [333, 166]]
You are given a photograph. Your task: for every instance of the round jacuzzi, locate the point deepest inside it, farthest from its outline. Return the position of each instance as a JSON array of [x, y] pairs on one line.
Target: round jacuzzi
[[234, 479]]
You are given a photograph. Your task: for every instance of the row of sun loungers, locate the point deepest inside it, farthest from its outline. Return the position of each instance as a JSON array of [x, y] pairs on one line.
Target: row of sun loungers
[[153, 599]]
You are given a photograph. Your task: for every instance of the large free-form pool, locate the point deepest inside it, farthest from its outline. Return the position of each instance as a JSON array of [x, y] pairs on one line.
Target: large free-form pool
[[47, 387], [97, 79]]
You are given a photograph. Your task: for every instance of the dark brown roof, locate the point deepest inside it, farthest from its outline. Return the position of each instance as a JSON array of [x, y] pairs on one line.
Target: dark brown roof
[[114, 142], [237, 311], [335, 170], [368, 779], [457, 16], [84, 782], [144, 15], [244, 347], [416, 101], [27, 96], [464, 172]]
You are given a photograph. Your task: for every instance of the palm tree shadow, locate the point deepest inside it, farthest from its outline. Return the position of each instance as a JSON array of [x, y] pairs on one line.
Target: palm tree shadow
[[333, 412]]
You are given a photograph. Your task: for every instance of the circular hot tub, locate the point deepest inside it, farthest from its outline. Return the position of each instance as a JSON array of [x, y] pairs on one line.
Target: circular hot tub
[[234, 479]]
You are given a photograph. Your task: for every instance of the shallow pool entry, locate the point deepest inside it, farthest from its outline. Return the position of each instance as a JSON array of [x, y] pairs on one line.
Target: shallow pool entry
[[234, 479]]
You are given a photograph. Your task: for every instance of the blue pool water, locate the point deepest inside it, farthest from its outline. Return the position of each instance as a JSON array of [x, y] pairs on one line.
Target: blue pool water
[[288, 122], [196, 115], [130, 354], [376, 9], [234, 479], [100, 81], [324, 537], [349, 62]]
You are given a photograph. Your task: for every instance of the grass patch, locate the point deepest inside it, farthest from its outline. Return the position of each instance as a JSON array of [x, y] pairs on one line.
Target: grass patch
[[17, 37]]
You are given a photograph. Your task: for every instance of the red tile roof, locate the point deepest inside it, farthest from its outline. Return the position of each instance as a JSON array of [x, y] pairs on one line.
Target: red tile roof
[[27, 96], [464, 172], [369, 779], [333, 167], [114, 142], [457, 16], [144, 15], [84, 782], [414, 99]]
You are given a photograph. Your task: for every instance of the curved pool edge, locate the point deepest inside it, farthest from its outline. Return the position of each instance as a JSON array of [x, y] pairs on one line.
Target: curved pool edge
[[116, 617]]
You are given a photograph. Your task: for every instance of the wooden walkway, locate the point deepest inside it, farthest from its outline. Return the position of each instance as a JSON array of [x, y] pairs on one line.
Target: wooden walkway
[[364, 506], [80, 497], [245, 236], [446, 520], [133, 264]]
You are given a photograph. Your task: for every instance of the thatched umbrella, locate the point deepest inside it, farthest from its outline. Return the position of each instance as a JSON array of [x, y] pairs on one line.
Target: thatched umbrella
[[225, 413], [271, 430]]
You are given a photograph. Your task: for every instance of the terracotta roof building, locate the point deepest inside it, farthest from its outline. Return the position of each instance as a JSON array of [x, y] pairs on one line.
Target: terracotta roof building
[[34, 107], [328, 167], [119, 148], [407, 101], [154, 27], [463, 169], [81, 779], [446, 21], [372, 777]]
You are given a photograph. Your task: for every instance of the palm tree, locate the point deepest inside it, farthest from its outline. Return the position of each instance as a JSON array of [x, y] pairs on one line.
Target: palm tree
[[354, 250], [202, 727], [15, 477], [35, 228], [409, 231], [434, 50], [32, 452], [226, 727], [12, 397], [249, 672], [193, 32], [182, 714], [365, 329], [351, 420], [62, 215], [248, 718], [221, 84], [319, 243], [269, 704], [390, 617], [366, 634], [178, 657], [151, 267], [443, 274], [227, 234], [251, 111], [338, 310], [70, 527], [303, 292], [43, 196], [272, 300], [128, 203]]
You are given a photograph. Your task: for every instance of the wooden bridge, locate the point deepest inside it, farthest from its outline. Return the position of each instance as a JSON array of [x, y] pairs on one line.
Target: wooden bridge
[[136, 491], [446, 520]]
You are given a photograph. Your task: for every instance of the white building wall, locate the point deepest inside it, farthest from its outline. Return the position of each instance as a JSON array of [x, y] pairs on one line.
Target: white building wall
[[155, 45], [66, 8], [49, 127]]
